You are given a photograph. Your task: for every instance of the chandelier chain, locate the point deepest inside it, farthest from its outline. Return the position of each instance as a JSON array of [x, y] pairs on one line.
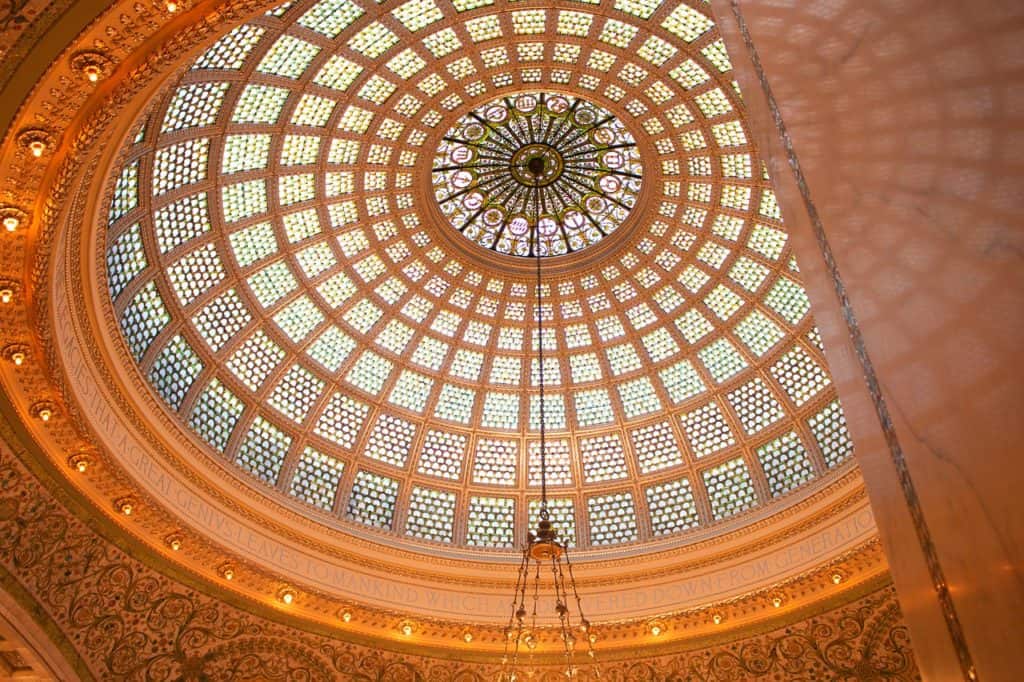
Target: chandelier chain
[[544, 514], [535, 165]]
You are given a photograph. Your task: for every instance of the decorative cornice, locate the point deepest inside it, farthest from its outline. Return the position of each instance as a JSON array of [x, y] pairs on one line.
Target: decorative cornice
[[124, 620]]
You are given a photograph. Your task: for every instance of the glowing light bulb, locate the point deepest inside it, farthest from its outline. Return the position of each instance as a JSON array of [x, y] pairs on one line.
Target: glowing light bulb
[[171, 6], [656, 630], [717, 619], [175, 544], [776, 602], [406, 629], [6, 295], [92, 73], [45, 414], [126, 508], [18, 358], [346, 616], [80, 462], [467, 637], [837, 578], [11, 223], [37, 147]]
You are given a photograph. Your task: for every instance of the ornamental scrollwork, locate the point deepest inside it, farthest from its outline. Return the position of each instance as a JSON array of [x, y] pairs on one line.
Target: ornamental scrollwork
[[126, 620]]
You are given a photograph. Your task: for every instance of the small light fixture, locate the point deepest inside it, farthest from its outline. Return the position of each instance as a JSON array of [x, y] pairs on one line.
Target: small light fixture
[[7, 290], [467, 636], [17, 354], [656, 628], [407, 627], [44, 410], [837, 577], [36, 140], [346, 616], [91, 65], [12, 217], [125, 505], [80, 462], [777, 600], [171, 6], [286, 595], [174, 542], [227, 571], [717, 618]]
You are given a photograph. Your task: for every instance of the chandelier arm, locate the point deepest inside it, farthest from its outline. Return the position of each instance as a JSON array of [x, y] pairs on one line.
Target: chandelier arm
[[533, 621], [518, 604], [563, 613], [572, 581], [585, 625]]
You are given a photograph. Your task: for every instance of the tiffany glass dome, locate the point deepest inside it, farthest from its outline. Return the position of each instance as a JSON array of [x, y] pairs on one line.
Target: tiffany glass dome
[[537, 175], [283, 262]]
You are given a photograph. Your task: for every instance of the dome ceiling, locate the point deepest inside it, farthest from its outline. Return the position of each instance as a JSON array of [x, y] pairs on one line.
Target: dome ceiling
[[290, 278]]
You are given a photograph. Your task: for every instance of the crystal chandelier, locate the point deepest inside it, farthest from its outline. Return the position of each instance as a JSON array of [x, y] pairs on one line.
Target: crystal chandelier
[[544, 550]]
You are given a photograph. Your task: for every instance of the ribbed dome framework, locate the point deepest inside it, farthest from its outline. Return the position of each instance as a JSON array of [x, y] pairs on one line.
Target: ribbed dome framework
[[289, 286]]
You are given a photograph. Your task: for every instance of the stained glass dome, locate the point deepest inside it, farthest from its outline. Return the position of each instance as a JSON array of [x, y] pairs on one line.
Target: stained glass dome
[[537, 174], [278, 263]]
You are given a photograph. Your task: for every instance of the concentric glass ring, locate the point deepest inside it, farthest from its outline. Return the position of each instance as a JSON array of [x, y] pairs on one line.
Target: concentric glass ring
[[537, 174]]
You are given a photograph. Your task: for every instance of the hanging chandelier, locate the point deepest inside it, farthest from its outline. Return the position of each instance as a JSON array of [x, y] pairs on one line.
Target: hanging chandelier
[[535, 165]]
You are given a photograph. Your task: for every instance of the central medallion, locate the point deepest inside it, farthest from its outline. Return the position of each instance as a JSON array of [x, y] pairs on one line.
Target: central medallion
[[537, 165], [537, 174]]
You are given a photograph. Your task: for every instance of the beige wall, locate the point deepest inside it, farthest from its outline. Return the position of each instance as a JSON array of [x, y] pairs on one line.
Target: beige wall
[[906, 120]]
